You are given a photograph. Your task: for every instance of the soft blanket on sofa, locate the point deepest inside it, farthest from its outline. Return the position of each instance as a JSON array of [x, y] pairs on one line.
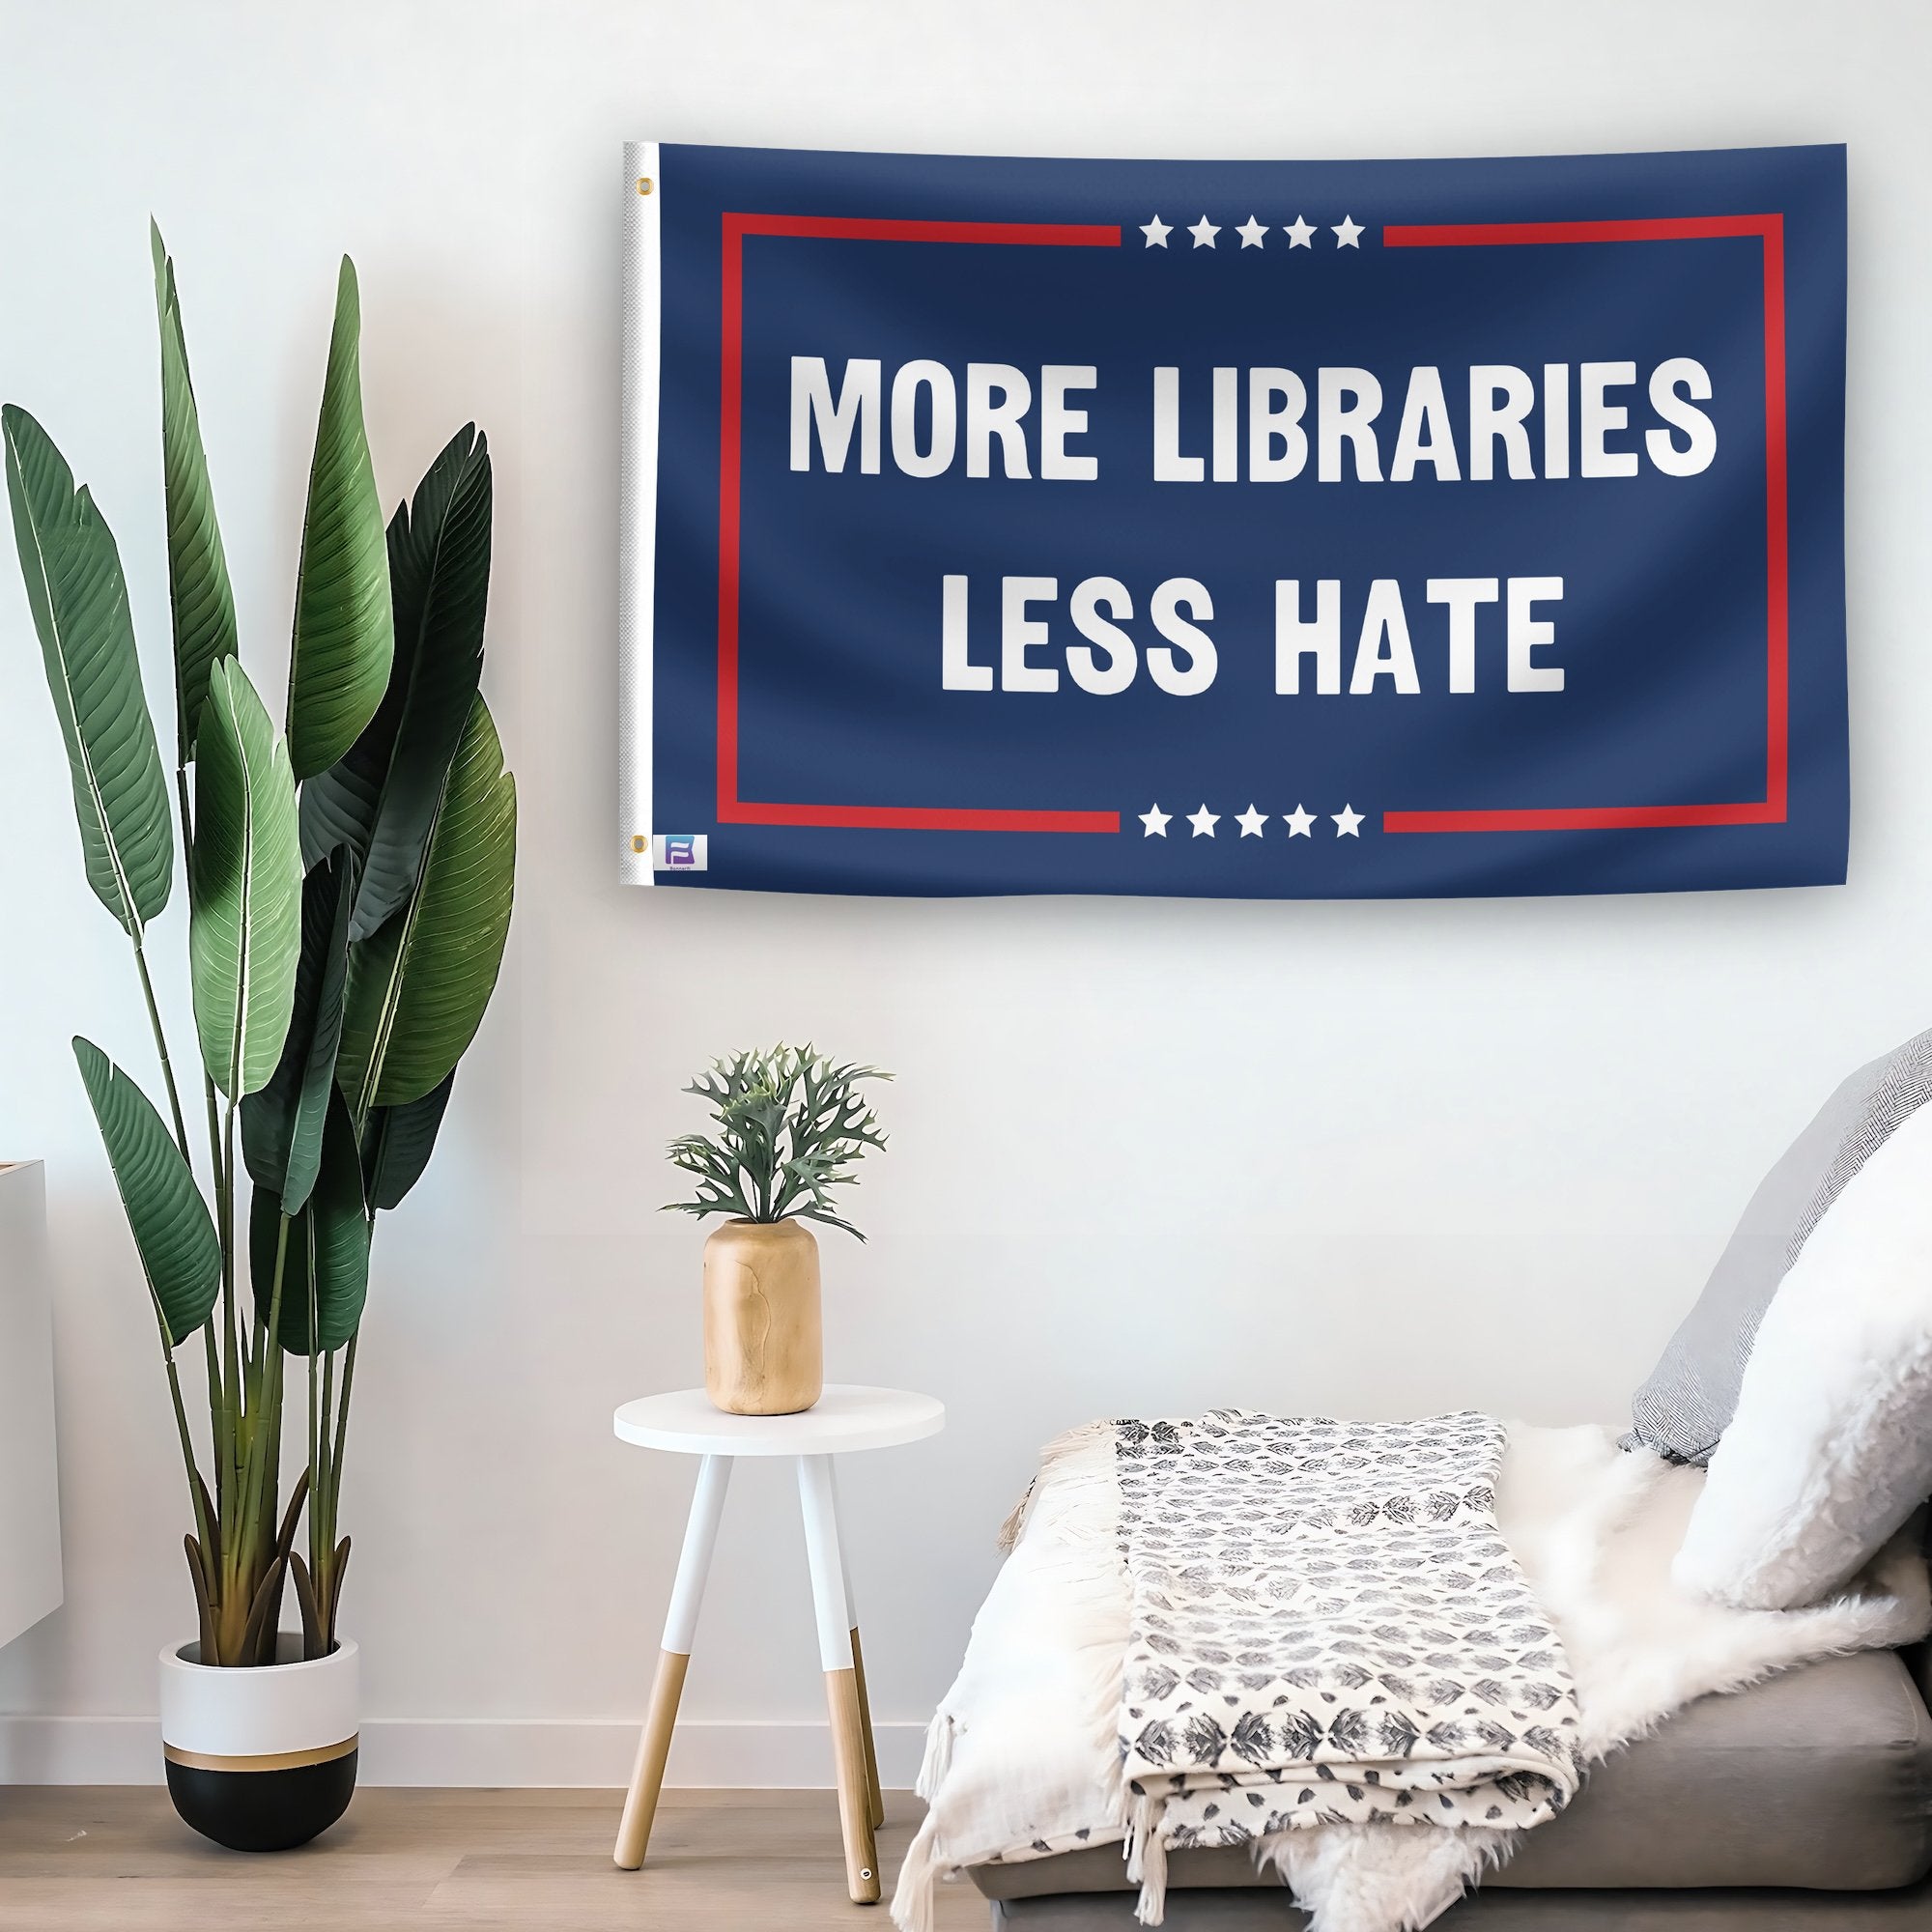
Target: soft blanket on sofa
[[1324, 1622], [1024, 1758]]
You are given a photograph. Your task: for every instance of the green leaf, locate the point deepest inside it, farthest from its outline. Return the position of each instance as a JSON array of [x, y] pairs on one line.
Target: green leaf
[[326, 1265], [381, 797], [198, 589], [344, 636], [281, 1125], [245, 882], [418, 987], [79, 600], [397, 1145], [172, 1233], [791, 1126]]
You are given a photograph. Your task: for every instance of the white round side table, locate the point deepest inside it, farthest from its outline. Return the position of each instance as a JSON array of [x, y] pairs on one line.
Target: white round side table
[[844, 1419]]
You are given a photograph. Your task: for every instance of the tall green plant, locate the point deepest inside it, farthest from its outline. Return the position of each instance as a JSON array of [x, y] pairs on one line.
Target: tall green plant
[[349, 882]]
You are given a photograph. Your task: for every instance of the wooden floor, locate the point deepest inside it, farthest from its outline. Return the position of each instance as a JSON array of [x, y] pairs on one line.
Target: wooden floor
[[74, 1860]]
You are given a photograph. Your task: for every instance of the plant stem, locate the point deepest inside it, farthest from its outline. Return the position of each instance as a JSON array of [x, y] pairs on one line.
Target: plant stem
[[216, 1436], [220, 1434], [230, 1347], [331, 1597], [194, 1486], [161, 1047], [242, 1568], [316, 1434], [341, 1424], [320, 1515], [234, 1417], [266, 1407], [322, 1521]]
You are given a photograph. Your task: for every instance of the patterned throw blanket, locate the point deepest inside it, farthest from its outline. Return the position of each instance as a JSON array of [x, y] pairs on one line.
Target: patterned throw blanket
[[1023, 1758], [1326, 1626]]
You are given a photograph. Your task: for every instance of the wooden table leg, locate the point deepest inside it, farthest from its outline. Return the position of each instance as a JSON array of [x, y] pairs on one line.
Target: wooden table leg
[[819, 1509], [877, 1796], [694, 1564]]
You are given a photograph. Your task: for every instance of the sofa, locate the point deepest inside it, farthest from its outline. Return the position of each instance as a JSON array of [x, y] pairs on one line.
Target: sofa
[[1801, 1804], [1801, 1382]]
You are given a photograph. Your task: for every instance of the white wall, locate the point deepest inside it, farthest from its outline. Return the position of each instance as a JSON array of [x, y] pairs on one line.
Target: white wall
[[1367, 1158]]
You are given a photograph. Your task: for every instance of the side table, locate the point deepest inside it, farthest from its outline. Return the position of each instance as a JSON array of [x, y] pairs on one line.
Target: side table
[[844, 1419]]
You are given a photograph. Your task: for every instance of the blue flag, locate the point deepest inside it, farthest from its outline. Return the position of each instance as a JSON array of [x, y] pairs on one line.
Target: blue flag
[[1244, 530]]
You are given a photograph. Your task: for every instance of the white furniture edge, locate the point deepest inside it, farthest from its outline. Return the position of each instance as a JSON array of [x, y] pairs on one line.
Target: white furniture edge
[[30, 1548], [848, 1417]]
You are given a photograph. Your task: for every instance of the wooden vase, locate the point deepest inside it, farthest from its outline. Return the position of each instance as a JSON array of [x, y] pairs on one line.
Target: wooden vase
[[764, 1348]]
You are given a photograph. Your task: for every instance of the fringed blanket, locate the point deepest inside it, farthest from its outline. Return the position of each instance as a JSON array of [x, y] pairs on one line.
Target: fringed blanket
[[1024, 1756], [1326, 1626]]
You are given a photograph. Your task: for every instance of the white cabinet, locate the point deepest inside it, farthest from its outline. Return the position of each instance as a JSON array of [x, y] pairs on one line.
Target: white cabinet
[[29, 1558]]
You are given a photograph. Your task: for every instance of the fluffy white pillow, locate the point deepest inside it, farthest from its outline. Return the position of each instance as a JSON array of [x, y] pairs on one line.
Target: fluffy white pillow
[[1830, 1448]]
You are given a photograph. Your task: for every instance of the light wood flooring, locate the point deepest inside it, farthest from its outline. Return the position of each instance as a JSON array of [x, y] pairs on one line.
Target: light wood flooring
[[97, 1860]]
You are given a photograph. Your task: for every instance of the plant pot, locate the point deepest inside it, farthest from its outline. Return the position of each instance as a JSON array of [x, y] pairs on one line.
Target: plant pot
[[764, 1348], [260, 1760]]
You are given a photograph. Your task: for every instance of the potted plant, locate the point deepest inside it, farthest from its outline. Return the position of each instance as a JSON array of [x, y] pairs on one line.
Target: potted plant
[[789, 1127], [349, 886]]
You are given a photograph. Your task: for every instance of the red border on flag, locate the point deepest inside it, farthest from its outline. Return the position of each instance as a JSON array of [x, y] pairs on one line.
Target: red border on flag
[[1770, 808], [731, 808], [1769, 229]]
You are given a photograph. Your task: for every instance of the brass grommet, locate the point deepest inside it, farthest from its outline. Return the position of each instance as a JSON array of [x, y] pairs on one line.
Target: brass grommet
[[639, 841], [644, 184]]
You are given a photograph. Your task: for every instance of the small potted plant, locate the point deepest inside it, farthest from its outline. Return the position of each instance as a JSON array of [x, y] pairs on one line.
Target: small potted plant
[[348, 889], [790, 1126]]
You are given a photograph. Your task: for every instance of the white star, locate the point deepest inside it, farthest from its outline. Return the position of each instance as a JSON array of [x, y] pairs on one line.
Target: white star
[[1301, 233], [1347, 822], [1300, 823], [1203, 822], [1251, 822], [1251, 232], [1204, 232], [1156, 232], [1155, 822], [1348, 233]]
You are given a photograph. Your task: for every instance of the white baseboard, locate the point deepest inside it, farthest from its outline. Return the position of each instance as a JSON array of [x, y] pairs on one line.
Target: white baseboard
[[479, 1752]]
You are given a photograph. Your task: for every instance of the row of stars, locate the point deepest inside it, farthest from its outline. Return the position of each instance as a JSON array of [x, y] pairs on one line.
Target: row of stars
[[1348, 233], [1300, 823]]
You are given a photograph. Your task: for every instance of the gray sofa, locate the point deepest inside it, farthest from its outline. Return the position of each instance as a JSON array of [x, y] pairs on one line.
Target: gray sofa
[[1803, 1803], [1801, 1806]]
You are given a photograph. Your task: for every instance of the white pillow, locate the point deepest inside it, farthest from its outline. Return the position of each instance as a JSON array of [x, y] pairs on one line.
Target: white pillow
[[1830, 1448]]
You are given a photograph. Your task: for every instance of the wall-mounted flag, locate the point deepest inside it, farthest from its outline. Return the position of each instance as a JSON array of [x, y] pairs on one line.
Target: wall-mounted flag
[[1296, 530]]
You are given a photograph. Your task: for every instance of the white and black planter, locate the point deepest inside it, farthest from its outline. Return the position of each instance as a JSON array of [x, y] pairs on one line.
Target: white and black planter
[[261, 1760]]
